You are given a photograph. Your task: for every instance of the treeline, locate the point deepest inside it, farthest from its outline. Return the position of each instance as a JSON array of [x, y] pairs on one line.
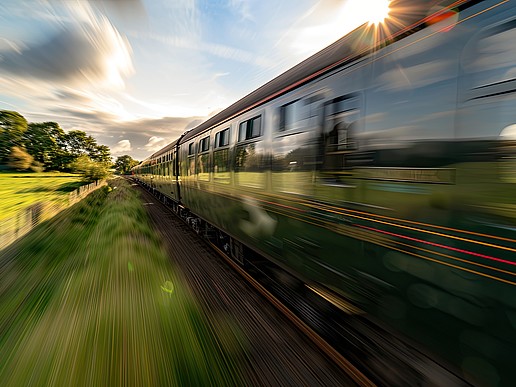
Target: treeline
[[42, 146]]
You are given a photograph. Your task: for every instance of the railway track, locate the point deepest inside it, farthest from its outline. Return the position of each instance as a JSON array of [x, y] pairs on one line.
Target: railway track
[[368, 355], [325, 347]]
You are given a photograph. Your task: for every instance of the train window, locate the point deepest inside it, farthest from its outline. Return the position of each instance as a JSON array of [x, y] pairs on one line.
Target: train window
[[190, 164], [250, 129], [312, 104], [221, 166], [292, 115], [288, 116], [297, 114], [294, 162], [204, 144], [250, 163], [203, 166], [491, 58], [222, 138], [341, 116], [203, 159]]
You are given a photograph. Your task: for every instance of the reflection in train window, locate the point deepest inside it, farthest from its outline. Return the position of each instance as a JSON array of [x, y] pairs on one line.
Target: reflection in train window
[[250, 129], [493, 58], [204, 144], [294, 163], [291, 114], [250, 165], [294, 115], [191, 166], [203, 166], [341, 116], [222, 138], [203, 159], [221, 172]]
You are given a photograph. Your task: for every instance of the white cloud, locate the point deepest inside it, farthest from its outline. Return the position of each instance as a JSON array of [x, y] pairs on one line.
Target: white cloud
[[88, 50], [325, 23], [122, 147], [155, 143]]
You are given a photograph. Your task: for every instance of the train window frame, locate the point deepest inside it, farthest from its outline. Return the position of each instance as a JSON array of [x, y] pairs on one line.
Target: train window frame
[[222, 138], [247, 128], [203, 159], [302, 110], [204, 144], [222, 175], [191, 149], [351, 105], [482, 80], [283, 114], [339, 133]]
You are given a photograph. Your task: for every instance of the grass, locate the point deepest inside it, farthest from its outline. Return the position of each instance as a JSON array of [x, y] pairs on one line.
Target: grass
[[20, 190], [90, 299]]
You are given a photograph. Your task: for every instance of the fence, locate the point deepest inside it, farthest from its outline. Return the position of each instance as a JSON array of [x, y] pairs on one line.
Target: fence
[[25, 220]]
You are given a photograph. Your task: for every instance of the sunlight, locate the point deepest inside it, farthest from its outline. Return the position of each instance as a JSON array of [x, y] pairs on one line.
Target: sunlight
[[378, 10]]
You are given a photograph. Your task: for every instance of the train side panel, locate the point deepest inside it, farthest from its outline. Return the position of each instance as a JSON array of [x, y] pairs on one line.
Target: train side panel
[[389, 181]]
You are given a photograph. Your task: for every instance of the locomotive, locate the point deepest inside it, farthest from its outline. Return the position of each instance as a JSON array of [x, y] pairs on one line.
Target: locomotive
[[381, 170]]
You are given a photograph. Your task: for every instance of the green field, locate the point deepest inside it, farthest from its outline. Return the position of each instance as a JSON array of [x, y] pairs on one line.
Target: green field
[[19, 190], [90, 298]]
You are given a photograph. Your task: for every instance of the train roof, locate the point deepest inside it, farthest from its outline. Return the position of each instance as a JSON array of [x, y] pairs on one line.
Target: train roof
[[406, 17]]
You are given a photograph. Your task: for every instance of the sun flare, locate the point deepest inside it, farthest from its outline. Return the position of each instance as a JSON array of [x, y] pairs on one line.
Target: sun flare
[[378, 10]]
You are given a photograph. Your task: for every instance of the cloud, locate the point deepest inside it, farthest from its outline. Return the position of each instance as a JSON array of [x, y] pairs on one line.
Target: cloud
[[7, 45], [155, 143], [89, 50], [324, 23], [126, 9], [72, 96], [227, 52], [242, 8], [145, 136], [122, 147], [219, 50]]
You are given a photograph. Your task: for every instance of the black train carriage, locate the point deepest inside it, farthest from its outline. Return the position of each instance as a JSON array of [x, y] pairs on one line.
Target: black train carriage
[[382, 170]]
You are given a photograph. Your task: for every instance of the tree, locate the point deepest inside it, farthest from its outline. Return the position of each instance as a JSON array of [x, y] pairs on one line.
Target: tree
[[12, 127], [19, 159], [43, 141], [47, 143], [89, 169], [100, 153], [78, 143], [123, 164]]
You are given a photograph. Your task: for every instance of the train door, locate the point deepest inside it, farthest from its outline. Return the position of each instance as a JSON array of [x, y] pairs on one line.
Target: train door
[[175, 174], [336, 191]]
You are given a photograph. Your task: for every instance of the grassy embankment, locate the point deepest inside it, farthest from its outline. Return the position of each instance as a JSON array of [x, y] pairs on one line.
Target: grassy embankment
[[20, 190], [90, 298]]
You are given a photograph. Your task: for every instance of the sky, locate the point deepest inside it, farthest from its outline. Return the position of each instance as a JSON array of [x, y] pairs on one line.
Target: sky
[[135, 74]]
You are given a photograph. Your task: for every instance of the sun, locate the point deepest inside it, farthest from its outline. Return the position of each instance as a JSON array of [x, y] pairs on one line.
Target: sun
[[377, 10]]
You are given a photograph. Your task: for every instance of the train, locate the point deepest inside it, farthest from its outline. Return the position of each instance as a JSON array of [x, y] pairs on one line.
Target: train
[[381, 170]]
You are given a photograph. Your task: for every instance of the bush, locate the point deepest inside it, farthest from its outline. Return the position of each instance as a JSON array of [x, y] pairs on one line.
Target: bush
[[19, 159], [37, 166], [89, 169]]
